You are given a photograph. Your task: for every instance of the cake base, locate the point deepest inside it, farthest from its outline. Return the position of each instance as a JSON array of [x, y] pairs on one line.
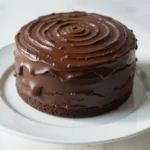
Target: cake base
[[73, 113]]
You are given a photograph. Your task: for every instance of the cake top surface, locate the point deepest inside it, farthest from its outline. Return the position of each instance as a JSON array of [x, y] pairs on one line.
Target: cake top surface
[[75, 40]]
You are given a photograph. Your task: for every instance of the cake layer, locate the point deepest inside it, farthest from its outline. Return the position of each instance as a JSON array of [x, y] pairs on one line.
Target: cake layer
[[79, 92], [73, 113]]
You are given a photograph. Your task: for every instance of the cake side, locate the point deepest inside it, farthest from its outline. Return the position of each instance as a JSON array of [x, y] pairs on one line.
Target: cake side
[[84, 96]]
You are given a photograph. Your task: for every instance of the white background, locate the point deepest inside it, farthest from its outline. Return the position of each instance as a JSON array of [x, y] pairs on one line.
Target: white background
[[15, 13]]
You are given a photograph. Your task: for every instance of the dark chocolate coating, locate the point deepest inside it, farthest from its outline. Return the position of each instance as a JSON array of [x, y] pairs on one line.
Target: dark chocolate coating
[[75, 60]]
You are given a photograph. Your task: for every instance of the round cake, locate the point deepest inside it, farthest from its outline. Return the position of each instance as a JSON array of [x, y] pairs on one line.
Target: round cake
[[75, 64]]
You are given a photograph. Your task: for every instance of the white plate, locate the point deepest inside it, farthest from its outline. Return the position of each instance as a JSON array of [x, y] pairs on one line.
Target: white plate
[[128, 120]]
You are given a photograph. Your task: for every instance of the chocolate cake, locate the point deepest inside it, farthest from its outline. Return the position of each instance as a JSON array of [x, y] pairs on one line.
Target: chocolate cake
[[75, 64]]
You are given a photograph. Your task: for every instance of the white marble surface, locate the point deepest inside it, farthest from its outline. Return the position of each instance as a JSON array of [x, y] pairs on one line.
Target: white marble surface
[[15, 13]]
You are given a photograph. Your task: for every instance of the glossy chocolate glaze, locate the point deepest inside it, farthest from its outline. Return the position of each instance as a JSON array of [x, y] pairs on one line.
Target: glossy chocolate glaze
[[75, 60]]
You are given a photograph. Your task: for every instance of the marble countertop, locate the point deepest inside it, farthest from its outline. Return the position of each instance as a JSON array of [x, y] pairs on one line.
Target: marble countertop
[[15, 13]]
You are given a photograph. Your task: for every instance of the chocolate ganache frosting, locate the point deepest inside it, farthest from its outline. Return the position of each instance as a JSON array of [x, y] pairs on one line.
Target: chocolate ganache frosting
[[72, 50]]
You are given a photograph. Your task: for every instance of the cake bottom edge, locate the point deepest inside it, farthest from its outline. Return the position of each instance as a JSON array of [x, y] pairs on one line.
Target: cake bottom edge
[[73, 113]]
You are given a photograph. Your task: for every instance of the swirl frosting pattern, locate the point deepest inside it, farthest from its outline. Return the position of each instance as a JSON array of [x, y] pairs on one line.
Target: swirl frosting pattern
[[74, 41]]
